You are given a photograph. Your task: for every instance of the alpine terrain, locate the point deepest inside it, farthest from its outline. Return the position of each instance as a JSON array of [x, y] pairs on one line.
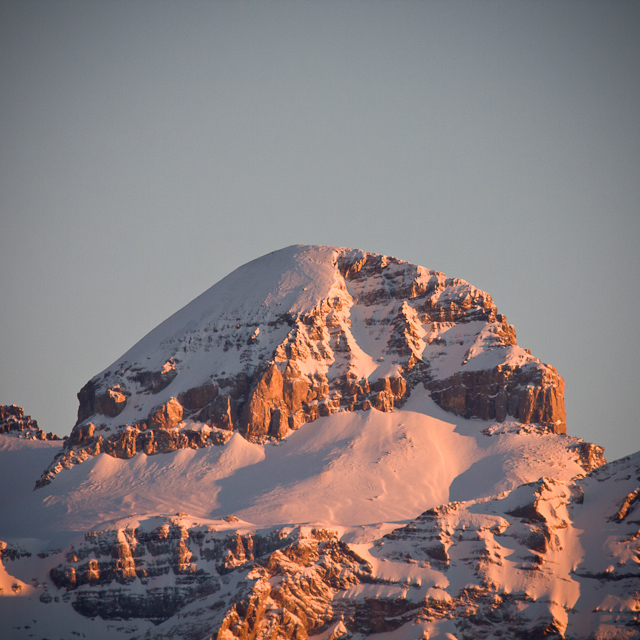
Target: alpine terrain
[[327, 444]]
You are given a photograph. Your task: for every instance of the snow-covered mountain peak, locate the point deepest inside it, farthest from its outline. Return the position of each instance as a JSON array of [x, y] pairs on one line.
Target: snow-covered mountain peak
[[305, 332]]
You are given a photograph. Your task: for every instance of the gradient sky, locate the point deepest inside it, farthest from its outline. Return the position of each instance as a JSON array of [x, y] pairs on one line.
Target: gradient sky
[[147, 149]]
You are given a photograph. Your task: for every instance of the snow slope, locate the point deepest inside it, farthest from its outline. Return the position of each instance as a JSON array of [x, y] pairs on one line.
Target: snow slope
[[350, 468], [551, 558]]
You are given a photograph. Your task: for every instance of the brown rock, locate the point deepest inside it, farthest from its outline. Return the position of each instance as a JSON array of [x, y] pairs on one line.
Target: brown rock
[[263, 401], [297, 389], [198, 397], [531, 394], [591, 456], [221, 413], [166, 415], [156, 381], [126, 444], [109, 403], [82, 435], [13, 420], [8, 411]]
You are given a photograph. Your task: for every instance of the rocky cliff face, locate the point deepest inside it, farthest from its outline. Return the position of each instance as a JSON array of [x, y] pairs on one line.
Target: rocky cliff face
[[303, 333], [15, 423], [154, 571], [547, 560]]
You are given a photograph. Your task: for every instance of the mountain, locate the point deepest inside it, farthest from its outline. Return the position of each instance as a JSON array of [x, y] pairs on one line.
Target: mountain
[[326, 443], [306, 332], [547, 559], [14, 422]]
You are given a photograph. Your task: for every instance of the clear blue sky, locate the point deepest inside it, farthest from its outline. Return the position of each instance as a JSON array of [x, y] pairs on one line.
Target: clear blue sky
[[149, 148]]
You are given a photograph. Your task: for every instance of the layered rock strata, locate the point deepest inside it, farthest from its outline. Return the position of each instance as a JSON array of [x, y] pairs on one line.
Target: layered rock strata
[[153, 573], [362, 331], [551, 559]]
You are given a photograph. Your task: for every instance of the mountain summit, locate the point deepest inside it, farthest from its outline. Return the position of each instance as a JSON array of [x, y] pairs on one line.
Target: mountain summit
[[305, 332]]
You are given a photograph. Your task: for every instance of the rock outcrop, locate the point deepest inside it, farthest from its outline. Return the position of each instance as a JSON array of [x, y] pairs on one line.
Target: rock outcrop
[[531, 394], [325, 330], [152, 573], [14, 422]]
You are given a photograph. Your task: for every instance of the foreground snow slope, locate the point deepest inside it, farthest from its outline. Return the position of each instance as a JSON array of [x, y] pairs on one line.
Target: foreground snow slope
[[350, 468], [547, 559], [358, 474]]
